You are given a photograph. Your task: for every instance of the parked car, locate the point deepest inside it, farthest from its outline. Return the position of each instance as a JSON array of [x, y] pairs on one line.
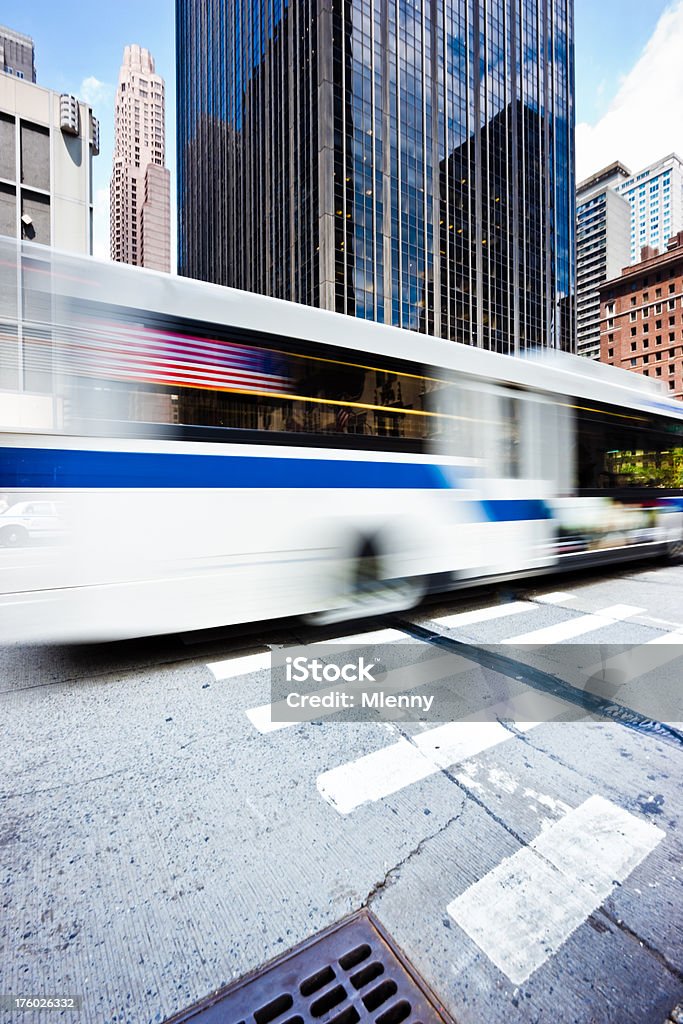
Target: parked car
[[28, 521]]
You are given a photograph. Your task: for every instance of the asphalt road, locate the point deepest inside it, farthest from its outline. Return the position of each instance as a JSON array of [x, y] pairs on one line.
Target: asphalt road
[[158, 838]]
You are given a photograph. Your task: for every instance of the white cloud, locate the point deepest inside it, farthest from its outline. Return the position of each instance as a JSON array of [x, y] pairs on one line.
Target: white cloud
[[101, 224], [643, 122], [93, 91]]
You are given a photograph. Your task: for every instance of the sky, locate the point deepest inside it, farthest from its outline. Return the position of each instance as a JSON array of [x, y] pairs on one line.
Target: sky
[[629, 80], [629, 75], [79, 49]]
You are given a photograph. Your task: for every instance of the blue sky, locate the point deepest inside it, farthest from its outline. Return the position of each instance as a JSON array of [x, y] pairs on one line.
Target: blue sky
[[609, 37], [79, 50]]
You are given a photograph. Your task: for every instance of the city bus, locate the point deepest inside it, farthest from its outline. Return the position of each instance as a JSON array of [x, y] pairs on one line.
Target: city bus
[[175, 456]]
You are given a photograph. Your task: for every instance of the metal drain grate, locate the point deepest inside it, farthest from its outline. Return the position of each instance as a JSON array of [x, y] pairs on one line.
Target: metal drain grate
[[349, 974]]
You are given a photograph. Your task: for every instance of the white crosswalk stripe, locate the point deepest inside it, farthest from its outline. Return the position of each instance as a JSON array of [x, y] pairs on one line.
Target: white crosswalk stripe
[[229, 668], [578, 626], [405, 761], [269, 717], [377, 636], [386, 771], [240, 666], [638, 660], [489, 614], [272, 717], [556, 597], [675, 637], [522, 911]]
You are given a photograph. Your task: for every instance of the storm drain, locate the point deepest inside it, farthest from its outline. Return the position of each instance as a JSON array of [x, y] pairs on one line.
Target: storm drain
[[349, 974]]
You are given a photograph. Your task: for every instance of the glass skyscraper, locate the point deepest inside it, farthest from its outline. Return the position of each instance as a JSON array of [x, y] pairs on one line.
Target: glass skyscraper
[[408, 161]]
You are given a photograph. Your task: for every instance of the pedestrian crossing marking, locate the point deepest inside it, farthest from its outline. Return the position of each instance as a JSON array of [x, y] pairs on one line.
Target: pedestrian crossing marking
[[384, 772], [488, 614], [240, 666], [523, 910], [578, 626]]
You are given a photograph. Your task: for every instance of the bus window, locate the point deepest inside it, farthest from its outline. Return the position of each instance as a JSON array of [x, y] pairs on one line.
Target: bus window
[[547, 441], [628, 450], [116, 372], [451, 423], [508, 437]]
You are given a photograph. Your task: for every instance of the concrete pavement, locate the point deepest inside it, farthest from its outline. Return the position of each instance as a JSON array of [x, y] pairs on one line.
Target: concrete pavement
[[156, 845]]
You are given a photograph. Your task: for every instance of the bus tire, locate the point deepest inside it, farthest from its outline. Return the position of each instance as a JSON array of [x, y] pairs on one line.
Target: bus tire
[[674, 551], [370, 587], [13, 537], [366, 571], [366, 591]]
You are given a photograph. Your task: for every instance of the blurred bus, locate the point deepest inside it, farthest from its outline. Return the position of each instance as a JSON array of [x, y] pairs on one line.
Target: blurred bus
[[208, 457]]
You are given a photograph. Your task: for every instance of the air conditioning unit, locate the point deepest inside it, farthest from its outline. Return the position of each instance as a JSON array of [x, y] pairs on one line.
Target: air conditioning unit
[[94, 134], [69, 117]]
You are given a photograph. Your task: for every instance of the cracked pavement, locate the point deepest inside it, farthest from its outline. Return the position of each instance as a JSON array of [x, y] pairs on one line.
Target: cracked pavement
[[155, 846]]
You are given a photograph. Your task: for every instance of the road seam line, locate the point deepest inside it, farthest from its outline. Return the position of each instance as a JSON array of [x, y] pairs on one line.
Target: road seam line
[[523, 910]]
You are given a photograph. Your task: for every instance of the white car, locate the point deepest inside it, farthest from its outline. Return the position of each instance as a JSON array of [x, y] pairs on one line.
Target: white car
[[30, 520]]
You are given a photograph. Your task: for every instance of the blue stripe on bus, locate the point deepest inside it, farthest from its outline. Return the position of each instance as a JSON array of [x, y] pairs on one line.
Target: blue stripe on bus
[[38, 468], [508, 510], [672, 504], [44, 467]]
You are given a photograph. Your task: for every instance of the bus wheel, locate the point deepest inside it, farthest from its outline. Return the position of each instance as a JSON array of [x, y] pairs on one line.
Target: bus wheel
[[13, 536], [372, 593], [366, 591], [366, 578], [674, 551]]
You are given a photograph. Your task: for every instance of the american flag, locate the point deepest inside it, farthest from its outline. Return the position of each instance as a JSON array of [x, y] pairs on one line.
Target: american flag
[[142, 354]]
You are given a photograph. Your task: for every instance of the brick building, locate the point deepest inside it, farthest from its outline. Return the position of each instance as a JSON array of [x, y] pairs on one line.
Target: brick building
[[641, 317]]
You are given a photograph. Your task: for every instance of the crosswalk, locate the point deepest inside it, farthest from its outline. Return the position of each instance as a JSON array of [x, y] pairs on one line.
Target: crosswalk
[[525, 908], [581, 625], [269, 717], [390, 769], [273, 716]]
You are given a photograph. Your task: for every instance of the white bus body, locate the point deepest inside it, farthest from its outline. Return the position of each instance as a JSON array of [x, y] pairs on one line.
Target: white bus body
[[162, 533]]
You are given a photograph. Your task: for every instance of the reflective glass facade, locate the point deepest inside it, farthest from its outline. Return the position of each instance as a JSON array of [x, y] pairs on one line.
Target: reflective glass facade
[[408, 161]]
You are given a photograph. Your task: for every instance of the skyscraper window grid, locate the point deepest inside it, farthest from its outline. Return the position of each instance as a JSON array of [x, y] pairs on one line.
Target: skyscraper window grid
[[140, 222], [405, 162], [655, 195]]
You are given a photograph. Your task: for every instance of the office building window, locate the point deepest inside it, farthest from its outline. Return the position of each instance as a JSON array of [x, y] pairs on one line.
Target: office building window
[[7, 147], [35, 155]]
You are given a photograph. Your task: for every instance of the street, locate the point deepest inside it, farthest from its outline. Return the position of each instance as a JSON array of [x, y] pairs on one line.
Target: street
[[161, 836]]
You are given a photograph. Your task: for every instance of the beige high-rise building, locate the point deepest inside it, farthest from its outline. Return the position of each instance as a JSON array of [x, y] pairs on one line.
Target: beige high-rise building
[[47, 145], [140, 203]]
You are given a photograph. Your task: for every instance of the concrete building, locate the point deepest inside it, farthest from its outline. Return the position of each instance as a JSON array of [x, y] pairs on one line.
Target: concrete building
[[47, 142], [140, 197], [655, 196], [407, 163], [641, 317], [17, 54], [603, 225]]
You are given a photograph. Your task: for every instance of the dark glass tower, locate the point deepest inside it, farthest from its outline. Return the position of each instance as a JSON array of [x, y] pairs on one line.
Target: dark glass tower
[[408, 161]]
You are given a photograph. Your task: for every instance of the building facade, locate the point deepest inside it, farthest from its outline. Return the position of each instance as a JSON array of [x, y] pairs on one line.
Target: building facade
[[641, 317], [655, 196], [47, 143], [17, 54], [140, 197], [410, 163], [603, 229]]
